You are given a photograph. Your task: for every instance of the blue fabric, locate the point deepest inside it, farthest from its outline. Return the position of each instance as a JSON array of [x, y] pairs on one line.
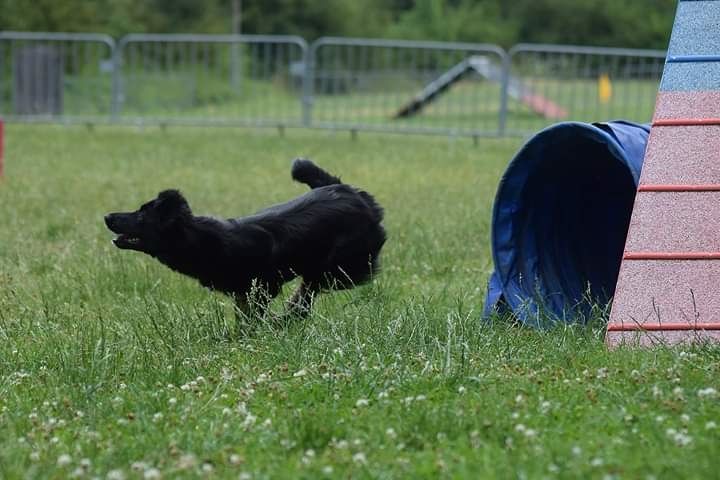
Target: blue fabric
[[560, 219]]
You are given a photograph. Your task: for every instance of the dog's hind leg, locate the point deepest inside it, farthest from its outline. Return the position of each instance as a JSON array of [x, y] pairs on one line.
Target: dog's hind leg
[[300, 304], [250, 307], [243, 316]]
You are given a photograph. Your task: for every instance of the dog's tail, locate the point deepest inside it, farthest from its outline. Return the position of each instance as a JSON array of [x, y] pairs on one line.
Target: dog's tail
[[305, 171]]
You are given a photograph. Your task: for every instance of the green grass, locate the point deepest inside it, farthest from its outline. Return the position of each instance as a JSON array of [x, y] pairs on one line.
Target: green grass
[[113, 366]]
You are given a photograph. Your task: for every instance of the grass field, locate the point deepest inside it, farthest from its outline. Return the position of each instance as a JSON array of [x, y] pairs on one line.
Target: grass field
[[112, 366]]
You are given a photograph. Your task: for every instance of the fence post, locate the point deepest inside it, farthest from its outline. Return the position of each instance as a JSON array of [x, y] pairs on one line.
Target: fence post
[[2, 137], [504, 84], [308, 84], [116, 61]]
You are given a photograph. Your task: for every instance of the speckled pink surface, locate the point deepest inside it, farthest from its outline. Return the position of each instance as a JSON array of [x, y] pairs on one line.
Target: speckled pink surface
[[667, 292], [683, 155], [675, 222], [704, 104], [685, 292], [651, 339]]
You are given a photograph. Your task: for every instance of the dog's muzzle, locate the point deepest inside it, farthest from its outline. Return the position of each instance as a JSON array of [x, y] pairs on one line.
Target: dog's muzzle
[[123, 240]]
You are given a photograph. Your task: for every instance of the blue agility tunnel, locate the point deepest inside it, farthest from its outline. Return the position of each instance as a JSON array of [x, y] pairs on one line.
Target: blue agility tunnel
[[560, 218]]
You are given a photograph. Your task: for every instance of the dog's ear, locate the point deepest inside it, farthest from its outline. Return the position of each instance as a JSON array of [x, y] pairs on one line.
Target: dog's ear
[[172, 203]]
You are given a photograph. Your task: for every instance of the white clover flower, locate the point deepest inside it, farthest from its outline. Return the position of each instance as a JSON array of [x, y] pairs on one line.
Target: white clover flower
[[597, 462], [327, 470], [64, 460], [157, 417], [708, 392], [390, 432], [710, 425], [115, 475], [300, 373], [363, 402], [187, 461], [77, 473], [235, 459], [152, 474], [249, 421], [461, 389], [685, 418], [172, 401], [359, 458], [682, 439]]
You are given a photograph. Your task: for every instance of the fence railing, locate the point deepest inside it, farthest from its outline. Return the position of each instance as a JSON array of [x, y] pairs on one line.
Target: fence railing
[[55, 75], [556, 82], [334, 83], [248, 79]]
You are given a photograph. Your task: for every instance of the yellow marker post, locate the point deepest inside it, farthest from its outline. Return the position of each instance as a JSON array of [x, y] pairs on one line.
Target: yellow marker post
[[604, 88]]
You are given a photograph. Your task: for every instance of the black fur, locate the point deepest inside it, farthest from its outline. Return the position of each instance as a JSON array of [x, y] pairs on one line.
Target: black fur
[[330, 237]]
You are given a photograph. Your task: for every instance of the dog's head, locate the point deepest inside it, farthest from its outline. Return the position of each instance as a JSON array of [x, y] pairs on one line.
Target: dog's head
[[147, 229]]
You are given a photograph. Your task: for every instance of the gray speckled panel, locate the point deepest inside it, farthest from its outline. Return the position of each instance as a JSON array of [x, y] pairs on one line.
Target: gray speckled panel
[[648, 286], [683, 155], [697, 29], [691, 76], [701, 104], [675, 222]]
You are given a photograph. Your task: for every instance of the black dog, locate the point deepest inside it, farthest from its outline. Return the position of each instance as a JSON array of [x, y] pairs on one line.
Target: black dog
[[330, 237]]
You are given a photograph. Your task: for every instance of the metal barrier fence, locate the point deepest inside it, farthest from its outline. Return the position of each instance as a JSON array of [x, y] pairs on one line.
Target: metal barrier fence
[[210, 79], [335, 83], [549, 83], [52, 76], [406, 86]]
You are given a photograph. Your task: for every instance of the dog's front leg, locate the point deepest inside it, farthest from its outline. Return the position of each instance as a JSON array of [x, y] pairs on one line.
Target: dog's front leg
[[300, 304], [243, 315], [251, 306]]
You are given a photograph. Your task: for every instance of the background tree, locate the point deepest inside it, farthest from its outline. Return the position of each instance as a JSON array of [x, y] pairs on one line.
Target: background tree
[[636, 23]]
